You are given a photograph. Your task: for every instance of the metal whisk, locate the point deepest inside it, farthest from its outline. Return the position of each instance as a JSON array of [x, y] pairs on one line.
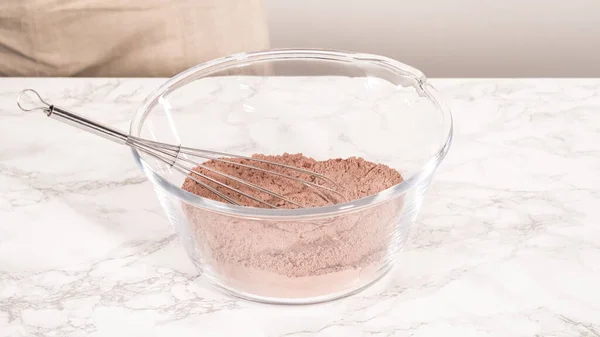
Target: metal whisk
[[30, 100]]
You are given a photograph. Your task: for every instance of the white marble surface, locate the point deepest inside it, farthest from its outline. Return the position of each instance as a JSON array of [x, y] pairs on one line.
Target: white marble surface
[[507, 244]]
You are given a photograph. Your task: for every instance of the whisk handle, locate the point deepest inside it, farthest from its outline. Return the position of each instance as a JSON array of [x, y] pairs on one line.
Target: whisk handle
[[87, 124], [27, 102]]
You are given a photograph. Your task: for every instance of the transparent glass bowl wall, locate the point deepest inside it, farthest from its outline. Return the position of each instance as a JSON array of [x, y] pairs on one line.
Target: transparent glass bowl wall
[[324, 104]]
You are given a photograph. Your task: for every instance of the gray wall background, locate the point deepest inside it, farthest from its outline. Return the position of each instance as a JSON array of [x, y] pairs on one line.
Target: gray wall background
[[451, 38]]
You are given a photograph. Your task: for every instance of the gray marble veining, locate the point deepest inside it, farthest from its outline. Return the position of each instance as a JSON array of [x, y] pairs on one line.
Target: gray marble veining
[[507, 243]]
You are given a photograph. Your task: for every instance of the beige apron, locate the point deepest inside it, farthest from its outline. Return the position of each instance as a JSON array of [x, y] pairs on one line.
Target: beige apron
[[124, 37]]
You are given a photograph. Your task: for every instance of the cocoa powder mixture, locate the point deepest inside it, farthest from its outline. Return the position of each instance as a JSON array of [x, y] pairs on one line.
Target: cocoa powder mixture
[[301, 257]]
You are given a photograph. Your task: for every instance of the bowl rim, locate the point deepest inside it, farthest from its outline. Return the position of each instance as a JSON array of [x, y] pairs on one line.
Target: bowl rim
[[245, 58]]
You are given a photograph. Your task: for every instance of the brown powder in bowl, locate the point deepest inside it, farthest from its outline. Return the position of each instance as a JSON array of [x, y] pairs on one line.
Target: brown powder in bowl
[[295, 258]]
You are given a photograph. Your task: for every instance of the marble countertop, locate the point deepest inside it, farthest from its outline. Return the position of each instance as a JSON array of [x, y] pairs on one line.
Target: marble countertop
[[507, 243]]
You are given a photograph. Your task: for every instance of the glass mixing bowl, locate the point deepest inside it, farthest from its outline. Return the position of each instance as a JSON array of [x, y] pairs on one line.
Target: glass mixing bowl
[[324, 104]]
